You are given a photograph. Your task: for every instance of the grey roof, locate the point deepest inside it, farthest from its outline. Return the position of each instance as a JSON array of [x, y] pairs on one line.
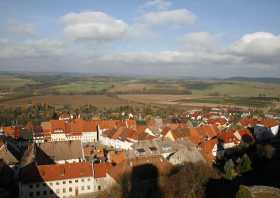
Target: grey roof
[[49, 152], [9, 152], [7, 156], [184, 150]]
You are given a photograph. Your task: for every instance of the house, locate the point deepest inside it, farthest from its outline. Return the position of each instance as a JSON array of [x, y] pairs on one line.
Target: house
[[131, 167], [266, 129], [186, 151], [203, 133], [58, 152], [77, 129], [248, 122], [221, 123], [157, 147], [175, 133], [63, 180], [116, 157], [10, 154], [123, 137], [11, 131], [209, 150]]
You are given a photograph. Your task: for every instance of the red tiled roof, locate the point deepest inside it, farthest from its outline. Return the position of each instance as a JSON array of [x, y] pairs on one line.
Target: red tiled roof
[[179, 133], [248, 122], [11, 131], [165, 130], [100, 170], [207, 148], [126, 167], [33, 173], [198, 134], [217, 121], [269, 123], [228, 136], [116, 157], [57, 125]]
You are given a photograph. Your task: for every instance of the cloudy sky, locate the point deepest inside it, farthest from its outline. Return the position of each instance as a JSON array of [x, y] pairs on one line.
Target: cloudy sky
[[199, 38]]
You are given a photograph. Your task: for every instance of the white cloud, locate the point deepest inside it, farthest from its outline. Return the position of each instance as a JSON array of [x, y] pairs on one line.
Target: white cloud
[[258, 44], [168, 17], [31, 49], [96, 26], [200, 41], [156, 4], [258, 47], [21, 29], [170, 58]]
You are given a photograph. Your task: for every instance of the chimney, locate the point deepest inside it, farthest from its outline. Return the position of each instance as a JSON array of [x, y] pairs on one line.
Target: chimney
[[97, 132]]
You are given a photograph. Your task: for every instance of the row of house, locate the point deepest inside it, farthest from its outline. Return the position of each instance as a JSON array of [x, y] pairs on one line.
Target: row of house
[[64, 180]]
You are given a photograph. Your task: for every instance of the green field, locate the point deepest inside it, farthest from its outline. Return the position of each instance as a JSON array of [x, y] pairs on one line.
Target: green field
[[10, 82], [246, 89], [235, 101], [158, 91], [81, 87]]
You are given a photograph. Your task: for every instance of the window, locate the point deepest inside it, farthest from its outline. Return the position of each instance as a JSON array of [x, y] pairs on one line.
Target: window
[[30, 186], [82, 188], [76, 181], [140, 150], [99, 187], [88, 179], [31, 194], [64, 190], [70, 182], [37, 185], [51, 183], [51, 192], [82, 180], [64, 182], [88, 187], [152, 148], [45, 192], [57, 183], [38, 193], [70, 189], [57, 191]]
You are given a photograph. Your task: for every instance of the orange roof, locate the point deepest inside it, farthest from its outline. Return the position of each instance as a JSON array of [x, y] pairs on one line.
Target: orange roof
[[198, 134], [11, 131], [116, 157], [100, 170], [228, 136], [57, 125], [165, 130], [126, 167], [195, 136], [33, 173], [207, 148], [46, 127], [179, 133], [244, 132], [217, 121], [248, 122], [269, 123]]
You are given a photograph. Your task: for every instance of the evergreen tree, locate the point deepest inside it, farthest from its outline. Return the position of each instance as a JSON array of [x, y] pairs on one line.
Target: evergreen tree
[[229, 169], [246, 164]]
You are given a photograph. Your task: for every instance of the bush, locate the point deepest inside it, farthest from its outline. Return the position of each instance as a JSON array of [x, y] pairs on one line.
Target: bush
[[243, 192], [229, 169], [246, 164]]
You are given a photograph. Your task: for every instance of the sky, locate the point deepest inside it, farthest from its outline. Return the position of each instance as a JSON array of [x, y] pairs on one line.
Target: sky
[[199, 38]]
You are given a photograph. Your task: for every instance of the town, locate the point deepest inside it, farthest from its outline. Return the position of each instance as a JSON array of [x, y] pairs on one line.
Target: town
[[70, 156]]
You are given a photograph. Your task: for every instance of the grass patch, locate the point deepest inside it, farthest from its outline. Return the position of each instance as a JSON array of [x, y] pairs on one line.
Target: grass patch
[[238, 101]]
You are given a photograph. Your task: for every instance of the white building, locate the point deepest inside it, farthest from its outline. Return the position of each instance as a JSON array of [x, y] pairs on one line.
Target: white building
[[64, 180]]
